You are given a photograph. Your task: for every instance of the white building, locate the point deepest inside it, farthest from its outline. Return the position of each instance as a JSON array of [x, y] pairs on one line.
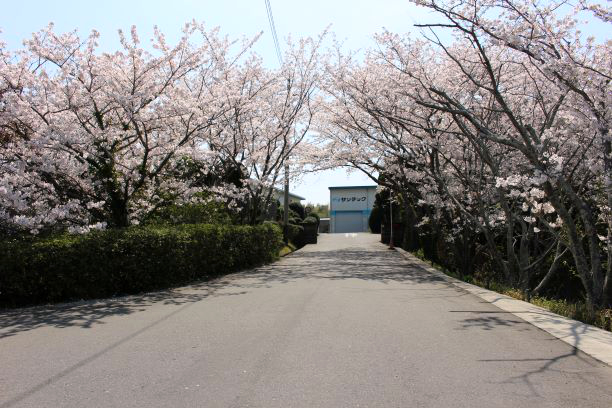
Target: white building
[[279, 194], [350, 208]]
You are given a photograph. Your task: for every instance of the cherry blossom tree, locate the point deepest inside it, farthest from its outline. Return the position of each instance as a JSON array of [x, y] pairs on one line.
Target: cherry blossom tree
[[505, 134], [267, 126], [91, 139], [99, 136], [564, 135]]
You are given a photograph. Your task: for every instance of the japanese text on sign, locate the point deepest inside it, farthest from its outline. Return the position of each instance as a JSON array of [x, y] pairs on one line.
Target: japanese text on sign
[[347, 199]]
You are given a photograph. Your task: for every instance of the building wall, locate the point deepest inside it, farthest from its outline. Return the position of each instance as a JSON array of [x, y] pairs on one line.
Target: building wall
[[280, 196], [351, 202], [324, 225]]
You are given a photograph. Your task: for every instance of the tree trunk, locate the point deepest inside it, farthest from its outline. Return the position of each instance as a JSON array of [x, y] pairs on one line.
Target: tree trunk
[[411, 239], [551, 270], [575, 246]]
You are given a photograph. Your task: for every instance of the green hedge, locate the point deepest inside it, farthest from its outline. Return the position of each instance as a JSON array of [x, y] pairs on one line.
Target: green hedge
[[311, 220], [133, 260], [293, 231]]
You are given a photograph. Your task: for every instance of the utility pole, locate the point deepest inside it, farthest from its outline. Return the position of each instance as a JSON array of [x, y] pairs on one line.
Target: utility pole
[[286, 206], [391, 224]]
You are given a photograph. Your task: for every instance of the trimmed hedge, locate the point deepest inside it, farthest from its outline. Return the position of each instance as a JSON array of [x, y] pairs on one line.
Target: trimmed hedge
[[311, 220], [133, 260], [294, 231]]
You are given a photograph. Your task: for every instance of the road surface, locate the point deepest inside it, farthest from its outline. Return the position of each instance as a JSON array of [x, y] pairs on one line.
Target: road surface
[[345, 323]]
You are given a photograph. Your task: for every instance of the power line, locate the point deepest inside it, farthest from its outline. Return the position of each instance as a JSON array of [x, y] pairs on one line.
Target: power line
[[273, 30], [274, 35]]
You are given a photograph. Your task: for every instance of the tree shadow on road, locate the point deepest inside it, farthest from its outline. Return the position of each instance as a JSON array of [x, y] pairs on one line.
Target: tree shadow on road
[[490, 320], [574, 365], [568, 360], [348, 264], [356, 263], [353, 263], [85, 314]]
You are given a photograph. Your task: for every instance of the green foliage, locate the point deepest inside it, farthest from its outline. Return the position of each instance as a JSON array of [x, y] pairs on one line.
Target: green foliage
[[315, 215], [298, 209], [211, 212], [132, 260], [294, 231], [300, 230], [602, 318], [308, 235], [287, 249], [320, 210], [375, 220], [310, 220], [294, 218], [578, 311]]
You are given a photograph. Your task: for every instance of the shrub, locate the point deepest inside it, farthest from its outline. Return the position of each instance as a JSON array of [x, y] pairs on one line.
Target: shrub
[[310, 220], [308, 234], [299, 209], [132, 260], [375, 220], [294, 231], [315, 215], [294, 218], [211, 212]]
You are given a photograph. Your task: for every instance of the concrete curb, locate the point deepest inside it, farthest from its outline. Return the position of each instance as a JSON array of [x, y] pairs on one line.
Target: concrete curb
[[589, 339]]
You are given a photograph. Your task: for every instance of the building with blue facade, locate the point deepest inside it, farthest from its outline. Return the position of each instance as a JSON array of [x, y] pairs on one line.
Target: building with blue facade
[[350, 208]]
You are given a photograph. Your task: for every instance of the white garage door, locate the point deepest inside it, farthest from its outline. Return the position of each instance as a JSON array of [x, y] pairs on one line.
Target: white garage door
[[349, 221]]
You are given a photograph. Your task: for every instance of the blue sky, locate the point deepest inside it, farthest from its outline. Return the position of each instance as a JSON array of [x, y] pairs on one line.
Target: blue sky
[[353, 21]]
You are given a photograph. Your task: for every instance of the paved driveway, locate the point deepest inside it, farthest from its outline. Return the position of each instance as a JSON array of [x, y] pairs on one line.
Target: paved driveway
[[345, 323]]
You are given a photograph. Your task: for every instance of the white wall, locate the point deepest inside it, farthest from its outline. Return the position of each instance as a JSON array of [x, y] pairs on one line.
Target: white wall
[[280, 196]]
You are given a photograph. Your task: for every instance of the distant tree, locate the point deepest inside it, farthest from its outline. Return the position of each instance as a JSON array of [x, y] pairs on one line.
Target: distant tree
[[322, 210]]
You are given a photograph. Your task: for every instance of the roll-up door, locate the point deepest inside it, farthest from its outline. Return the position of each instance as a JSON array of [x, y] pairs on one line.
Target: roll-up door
[[349, 221]]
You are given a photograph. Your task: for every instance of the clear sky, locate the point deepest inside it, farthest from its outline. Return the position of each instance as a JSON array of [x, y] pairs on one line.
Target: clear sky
[[353, 21]]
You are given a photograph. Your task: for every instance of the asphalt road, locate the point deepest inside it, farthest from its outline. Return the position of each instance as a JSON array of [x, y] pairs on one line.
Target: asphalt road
[[345, 323]]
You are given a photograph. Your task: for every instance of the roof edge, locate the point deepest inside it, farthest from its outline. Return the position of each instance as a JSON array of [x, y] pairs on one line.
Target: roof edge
[[282, 191], [350, 187]]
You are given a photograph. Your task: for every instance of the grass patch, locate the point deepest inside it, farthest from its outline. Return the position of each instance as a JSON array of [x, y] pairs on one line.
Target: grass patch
[[577, 311], [287, 249]]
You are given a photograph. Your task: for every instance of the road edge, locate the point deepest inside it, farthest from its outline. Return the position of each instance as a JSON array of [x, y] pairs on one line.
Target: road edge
[[589, 339]]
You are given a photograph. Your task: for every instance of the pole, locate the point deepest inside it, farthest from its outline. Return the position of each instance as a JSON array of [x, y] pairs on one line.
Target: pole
[[391, 217], [286, 206]]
